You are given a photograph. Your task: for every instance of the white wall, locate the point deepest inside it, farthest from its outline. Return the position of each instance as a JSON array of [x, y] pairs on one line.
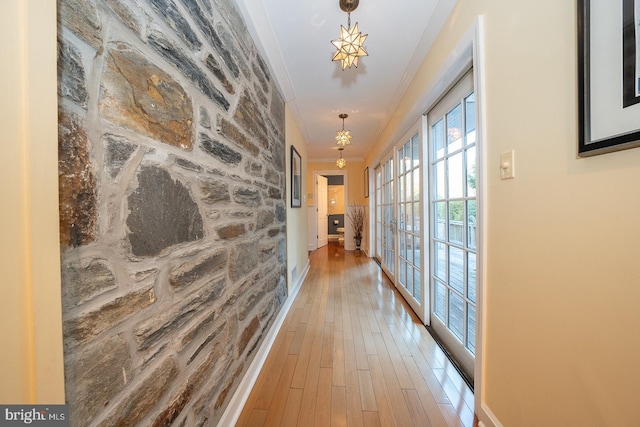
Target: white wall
[[297, 254], [30, 309], [562, 284]]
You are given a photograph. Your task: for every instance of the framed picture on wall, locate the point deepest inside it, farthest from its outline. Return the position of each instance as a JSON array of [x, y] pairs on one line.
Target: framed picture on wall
[[608, 76], [366, 182], [296, 178]]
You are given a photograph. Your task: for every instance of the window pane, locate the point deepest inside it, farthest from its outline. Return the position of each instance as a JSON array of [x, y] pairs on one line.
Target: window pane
[[416, 217], [416, 184], [455, 175], [406, 157], [409, 239], [471, 171], [386, 215], [417, 253], [441, 220], [415, 151], [440, 301], [409, 282], [437, 134], [471, 224], [454, 129], [410, 219], [440, 184], [471, 276], [470, 119], [401, 189], [391, 242], [417, 286], [456, 224], [456, 315], [388, 171], [456, 269], [441, 261], [402, 267], [471, 328], [402, 248]]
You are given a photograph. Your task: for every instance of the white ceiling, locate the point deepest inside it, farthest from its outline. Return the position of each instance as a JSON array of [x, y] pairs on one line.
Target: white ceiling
[[294, 37]]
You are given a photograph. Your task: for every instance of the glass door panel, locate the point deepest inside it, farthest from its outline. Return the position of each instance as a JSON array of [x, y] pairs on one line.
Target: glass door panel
[[378, 212], [409, 231], [452, 202], [388, 218]]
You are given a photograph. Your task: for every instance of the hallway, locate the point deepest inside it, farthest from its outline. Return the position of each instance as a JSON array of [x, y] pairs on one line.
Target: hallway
[[351, 353]]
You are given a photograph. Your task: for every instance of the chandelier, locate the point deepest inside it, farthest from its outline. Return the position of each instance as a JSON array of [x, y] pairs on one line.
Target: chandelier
[[341, 162], [343, 136], [350, 45]]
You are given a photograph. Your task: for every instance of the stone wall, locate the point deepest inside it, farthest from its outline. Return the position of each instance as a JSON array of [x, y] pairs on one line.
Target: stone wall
[[172, 208]]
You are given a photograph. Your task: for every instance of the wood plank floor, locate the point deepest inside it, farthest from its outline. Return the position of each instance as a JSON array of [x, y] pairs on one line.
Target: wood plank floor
[[351, 353]]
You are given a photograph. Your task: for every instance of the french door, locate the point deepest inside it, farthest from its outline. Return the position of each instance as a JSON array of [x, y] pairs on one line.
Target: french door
[[378, 212], [433, 182], [409, 255], [398, 183], [453, 212], [386, 224]]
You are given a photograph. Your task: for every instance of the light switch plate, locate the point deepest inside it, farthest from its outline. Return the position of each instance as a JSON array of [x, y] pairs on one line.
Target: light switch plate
[[507, 165]]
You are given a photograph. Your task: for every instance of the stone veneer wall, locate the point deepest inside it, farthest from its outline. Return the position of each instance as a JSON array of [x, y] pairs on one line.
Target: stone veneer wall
[[172, 208]]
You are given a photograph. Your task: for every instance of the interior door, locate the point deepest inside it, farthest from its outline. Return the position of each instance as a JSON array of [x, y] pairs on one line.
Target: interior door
[[323, 218]]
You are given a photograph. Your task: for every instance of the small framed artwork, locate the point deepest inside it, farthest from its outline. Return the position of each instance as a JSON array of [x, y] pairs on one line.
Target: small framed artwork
[[296, 178], [366, 182], [608, 76]]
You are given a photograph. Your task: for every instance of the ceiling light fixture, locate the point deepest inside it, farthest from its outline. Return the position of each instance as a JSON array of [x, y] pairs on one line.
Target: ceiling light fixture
[[350, 45], [343, 136], [341, 162]]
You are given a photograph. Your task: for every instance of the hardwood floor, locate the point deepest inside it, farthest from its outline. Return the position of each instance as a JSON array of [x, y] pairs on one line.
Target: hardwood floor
[[351, 353]]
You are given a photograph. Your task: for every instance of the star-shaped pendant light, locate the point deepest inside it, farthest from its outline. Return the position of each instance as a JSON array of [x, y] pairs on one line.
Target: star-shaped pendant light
[[341, 162], [343, 136], [350, 45]]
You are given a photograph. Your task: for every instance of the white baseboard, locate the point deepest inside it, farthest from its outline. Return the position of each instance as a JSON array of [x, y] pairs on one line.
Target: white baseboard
[[239, 398], [487, 418]]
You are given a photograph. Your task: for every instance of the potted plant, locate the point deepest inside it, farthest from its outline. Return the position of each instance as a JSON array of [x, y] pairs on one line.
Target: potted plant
[[356, 215]]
